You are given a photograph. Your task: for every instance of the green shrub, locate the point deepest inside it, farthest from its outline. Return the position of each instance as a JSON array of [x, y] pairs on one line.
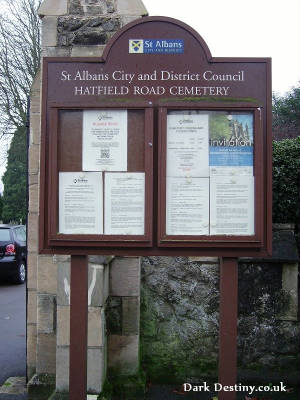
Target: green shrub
[[286, 181]]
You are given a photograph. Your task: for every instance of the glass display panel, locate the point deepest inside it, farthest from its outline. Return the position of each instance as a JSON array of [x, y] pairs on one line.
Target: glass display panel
[[101, 172], [209, 173]]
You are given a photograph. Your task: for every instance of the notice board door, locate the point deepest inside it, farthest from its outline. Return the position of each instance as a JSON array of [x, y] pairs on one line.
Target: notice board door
[[210, 176], [100, 176]]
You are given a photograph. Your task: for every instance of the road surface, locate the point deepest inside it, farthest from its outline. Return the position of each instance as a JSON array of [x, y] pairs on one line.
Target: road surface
[[12, 330]]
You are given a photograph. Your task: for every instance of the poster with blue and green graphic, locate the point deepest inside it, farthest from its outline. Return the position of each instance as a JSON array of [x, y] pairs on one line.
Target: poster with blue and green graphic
[[231, 143]]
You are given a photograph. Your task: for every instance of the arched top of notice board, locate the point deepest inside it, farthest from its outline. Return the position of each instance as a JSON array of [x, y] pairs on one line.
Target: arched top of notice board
[[167, 31]]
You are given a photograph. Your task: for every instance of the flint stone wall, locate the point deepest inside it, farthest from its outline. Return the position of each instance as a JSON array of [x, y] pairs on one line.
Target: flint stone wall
[[86, 30], [180, 317]]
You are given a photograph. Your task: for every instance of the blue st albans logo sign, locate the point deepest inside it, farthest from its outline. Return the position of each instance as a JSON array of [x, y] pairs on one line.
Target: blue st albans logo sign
[[156, 46]]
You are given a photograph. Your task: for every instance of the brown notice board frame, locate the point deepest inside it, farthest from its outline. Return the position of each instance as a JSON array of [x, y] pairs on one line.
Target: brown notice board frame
[[258, 87], [254, 241], [57, 239], [255, 89]]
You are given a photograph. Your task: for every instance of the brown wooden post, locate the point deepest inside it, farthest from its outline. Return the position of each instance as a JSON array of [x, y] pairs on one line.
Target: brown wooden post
[[78, 327], [228, 325]]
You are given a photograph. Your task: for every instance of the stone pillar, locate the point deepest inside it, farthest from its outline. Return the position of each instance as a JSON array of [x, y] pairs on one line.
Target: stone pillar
[[285, 251], [33, 180], [66, 31], [124, 325], [97, 296], [125, 292], [290, 286]]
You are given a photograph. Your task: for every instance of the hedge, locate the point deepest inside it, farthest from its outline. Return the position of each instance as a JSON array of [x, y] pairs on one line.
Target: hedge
[[286, 175]]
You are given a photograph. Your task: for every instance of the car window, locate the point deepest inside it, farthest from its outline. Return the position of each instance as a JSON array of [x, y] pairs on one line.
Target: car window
[[4, 235], [23, 230], [23, 234], [17, 233], [20, 234]]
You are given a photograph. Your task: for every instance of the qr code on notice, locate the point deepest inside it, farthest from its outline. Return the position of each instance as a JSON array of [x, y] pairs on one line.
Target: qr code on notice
[[105, 153]]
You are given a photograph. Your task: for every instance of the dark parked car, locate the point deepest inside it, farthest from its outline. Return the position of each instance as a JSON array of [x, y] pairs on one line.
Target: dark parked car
[[13, 252]]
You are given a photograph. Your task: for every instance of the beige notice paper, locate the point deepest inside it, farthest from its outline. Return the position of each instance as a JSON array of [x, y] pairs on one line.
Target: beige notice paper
[[187, 205], [80, 203], [187, 145], [232, 205], [104, 140], [124, 203]]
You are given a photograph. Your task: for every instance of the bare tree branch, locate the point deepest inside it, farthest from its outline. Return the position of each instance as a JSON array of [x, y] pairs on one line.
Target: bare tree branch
[[19, 61]]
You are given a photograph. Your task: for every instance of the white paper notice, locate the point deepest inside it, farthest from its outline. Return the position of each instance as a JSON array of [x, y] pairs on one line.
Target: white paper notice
[[187, 145], [234, 171], [80, 203], [104, 140], [187, 206], [124, 203], [232, 205]]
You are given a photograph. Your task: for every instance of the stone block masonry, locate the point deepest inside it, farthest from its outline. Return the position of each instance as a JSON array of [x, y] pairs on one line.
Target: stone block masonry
[[123, 354], [98, 289], [123, 316], [78, 28], [125, 273], [92, 7], [32, 247], [53, 7]]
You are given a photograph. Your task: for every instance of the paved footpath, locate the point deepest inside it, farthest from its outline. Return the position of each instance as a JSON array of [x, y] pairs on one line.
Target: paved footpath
[[12, 335]]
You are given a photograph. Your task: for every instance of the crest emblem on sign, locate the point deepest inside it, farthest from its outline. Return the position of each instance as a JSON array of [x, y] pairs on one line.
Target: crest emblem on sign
[[136, 46]]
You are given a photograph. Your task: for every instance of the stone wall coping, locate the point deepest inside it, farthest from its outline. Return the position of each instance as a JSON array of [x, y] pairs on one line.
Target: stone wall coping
[[283, 227], [104, 260], [53, 7], [284, 249], [131, 7]]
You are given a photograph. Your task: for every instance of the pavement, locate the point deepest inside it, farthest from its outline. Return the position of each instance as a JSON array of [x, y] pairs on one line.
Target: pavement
[[12, 337], [14, 388], [14, 397], [173, 392]]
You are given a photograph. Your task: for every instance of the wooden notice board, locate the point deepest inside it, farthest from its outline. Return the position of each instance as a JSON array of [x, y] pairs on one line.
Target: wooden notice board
[[156, 148]]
